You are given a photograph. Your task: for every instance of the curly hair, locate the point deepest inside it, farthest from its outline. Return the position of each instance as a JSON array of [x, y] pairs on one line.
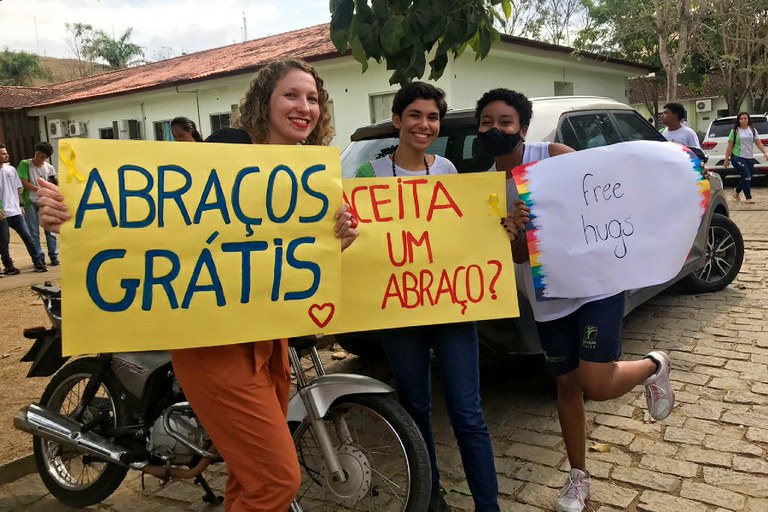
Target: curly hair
[[254, 107], [514, 99], [678, 109]]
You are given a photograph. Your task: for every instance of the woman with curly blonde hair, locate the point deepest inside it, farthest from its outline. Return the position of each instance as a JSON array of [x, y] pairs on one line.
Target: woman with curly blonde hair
[[240, 392], [257, 104]]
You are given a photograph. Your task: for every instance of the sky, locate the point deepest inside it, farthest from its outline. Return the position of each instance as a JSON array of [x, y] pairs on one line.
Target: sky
[[183, 26]]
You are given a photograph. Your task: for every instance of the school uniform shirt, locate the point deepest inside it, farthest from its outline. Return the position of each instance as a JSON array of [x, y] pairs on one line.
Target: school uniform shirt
[[382, 168], [552, 309], [9, 190], [743, 141], [30, 172], [683, 135]]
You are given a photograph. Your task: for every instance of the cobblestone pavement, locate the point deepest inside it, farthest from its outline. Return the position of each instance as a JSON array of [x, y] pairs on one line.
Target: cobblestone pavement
[[708, 456]]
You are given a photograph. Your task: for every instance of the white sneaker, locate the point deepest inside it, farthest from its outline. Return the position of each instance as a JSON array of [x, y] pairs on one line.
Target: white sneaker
[[658, 392], [574, 493]]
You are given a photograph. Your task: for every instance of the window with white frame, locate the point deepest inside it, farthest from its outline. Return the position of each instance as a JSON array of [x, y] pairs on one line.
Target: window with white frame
[[381, 106], [163, 130], [330, 113], [219, 121]]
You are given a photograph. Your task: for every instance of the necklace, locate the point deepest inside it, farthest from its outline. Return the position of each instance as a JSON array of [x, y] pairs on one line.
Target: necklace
[[426, 165]]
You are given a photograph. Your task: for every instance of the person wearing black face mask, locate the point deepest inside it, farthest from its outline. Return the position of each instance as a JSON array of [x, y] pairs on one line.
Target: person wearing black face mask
[[581, 336]]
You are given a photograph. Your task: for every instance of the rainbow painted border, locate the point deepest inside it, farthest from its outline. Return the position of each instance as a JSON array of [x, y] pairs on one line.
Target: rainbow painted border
[[520, 175]]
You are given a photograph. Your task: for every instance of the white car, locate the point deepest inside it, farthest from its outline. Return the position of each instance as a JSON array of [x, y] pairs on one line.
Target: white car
[[581, 122], [716, 142]]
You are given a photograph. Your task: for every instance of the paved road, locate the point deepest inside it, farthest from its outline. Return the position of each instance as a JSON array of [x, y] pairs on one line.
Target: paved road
[[708, 456]]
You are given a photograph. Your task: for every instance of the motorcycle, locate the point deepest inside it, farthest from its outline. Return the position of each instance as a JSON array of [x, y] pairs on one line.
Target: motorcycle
[[101, 416]]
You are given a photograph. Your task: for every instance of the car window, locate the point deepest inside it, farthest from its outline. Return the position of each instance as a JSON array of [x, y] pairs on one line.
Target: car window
[[633, 127], [588, 130], [761, 125], [722, 127]]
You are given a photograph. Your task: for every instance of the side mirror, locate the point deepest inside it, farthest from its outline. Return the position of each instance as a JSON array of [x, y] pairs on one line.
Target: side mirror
[[700, 154]]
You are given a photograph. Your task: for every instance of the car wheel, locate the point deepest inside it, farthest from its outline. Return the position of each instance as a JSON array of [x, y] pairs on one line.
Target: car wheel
[[725, 253], [369, 348]]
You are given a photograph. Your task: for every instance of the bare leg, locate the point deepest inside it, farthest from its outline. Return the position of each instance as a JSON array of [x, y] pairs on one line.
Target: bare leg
[[605, 381], [570, 411]]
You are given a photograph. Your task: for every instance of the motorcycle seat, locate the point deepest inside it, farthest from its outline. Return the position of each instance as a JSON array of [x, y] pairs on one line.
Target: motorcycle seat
[[47, 290]]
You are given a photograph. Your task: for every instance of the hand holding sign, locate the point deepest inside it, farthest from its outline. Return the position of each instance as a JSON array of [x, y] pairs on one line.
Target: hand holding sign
[[610, 219], [217, 244]]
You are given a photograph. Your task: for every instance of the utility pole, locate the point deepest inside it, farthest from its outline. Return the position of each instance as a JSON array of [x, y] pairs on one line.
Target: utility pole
[[245, 28]]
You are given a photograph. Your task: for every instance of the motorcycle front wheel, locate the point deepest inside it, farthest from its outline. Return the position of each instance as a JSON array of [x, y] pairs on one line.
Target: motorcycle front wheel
[[74, 478], [381, 452]]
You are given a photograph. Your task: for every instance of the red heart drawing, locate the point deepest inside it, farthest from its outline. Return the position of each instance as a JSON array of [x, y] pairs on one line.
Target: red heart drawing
[[321, 314]]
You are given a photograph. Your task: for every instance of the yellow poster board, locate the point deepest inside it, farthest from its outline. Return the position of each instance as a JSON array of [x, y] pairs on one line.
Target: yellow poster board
[[183, 245], [431, 250]]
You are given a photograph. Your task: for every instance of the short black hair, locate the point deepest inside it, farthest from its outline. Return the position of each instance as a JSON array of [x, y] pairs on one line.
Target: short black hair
[[678, 109], [415, 91], [514, 99], [44, 147]]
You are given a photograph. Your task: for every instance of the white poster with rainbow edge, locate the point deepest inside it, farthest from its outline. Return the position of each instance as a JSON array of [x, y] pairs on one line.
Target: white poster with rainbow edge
[[609, 219]]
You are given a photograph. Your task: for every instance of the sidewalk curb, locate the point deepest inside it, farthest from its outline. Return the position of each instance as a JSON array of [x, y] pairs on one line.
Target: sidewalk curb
[[16, 469]]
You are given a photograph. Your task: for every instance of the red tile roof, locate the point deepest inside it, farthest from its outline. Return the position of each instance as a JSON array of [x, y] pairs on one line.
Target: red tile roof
[[14, 97], [713, 87], [310, 44]]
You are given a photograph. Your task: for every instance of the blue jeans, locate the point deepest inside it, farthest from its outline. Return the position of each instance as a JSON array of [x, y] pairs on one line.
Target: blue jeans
[[16, 222], [745, 166], [30, 215], [456, 349]]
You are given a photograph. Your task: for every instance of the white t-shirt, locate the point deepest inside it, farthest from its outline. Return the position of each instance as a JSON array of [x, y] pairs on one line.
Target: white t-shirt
[[44, 171], [382, 168], [548, 310], [9, 190], [683, 135]]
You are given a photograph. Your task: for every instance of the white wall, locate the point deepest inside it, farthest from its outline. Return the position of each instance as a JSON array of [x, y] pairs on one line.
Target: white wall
[[532, 72]]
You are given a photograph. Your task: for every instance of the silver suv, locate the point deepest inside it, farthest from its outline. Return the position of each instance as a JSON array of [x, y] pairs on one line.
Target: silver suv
[[716, 141], [580, 122]]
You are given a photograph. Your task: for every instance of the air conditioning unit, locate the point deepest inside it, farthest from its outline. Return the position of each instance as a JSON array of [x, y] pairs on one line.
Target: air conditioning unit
[[76, 129], [126, 129], [58, 128], [704, 106]]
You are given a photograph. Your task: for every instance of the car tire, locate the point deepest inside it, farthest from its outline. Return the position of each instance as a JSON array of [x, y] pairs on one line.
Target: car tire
[[725, 254], [368, 349]]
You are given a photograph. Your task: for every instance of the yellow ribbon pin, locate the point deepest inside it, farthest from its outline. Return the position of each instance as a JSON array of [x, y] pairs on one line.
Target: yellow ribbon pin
[[67, 157], [493, 200]]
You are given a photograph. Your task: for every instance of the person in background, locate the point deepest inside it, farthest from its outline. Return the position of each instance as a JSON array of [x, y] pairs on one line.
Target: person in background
[[417, 110], [10, 200], [677, 130], [581, 337], [240, 392], [184, 129], [29, 172], [740, 152]]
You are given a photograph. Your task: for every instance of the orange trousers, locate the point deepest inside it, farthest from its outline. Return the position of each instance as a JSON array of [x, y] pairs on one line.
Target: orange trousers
[[240, 393]]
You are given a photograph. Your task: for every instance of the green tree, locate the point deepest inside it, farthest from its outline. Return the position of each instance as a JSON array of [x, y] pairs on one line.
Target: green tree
[[79, 39], [403, 32], [118, 53], [734, 44], [20, 68]]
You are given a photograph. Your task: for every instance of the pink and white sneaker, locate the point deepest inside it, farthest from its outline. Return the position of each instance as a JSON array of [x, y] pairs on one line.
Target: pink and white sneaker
[[658, 392], [575, 493]]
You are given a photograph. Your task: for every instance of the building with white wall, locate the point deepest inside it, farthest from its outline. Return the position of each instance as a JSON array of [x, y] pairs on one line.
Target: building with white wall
[[207, 86]]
